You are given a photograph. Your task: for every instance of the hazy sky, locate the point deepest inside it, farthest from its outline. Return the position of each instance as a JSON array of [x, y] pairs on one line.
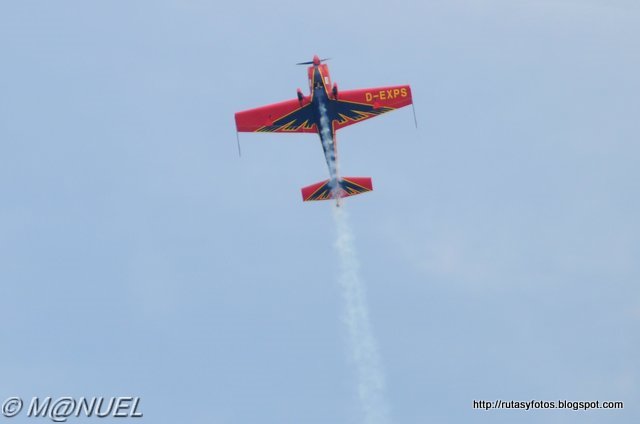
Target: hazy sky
[[140, 256]]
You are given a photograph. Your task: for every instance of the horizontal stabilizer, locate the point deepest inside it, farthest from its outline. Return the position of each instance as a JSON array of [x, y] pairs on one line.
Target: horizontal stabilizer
[[336, 189]]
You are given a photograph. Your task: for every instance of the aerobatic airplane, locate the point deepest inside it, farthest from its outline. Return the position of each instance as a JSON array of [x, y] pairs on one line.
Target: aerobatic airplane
[[324, 112]]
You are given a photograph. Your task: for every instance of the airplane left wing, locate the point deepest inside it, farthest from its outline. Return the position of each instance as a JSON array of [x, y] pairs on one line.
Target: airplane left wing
[[284, 117], [353, 106]]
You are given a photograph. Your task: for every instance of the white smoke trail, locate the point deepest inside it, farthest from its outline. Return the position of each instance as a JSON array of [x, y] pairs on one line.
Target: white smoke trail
[[327, 141], [363, 345]]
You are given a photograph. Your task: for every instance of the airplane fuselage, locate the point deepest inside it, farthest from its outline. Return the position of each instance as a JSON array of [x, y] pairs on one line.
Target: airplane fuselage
[[321, 105]]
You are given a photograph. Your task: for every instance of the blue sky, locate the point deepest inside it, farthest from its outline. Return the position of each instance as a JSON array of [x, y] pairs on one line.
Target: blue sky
[[139, 255]]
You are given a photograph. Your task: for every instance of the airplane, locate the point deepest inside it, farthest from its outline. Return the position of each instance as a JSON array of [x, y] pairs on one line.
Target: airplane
[[324, 111]]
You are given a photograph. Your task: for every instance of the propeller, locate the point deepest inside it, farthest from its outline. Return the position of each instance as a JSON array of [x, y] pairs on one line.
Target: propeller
[[315, 61]]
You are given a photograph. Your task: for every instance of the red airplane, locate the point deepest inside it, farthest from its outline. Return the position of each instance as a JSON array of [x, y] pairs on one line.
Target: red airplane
[[324, 112]]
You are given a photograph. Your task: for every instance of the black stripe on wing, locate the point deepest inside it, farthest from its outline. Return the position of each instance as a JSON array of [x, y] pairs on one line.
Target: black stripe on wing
[[298, 120], [344, 112]]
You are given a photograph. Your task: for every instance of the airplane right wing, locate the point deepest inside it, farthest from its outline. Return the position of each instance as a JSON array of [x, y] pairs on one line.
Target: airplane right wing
[[285, 117], [353, 106]]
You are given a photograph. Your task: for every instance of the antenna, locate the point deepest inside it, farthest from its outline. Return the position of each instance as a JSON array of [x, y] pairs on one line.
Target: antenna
[[238, 141], [414, 113]]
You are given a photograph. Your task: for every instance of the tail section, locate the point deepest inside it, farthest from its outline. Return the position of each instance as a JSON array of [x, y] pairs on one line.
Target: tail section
[[336, 189]]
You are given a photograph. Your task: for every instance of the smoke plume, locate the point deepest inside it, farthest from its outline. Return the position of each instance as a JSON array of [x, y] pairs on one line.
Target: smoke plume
[[363, 347]]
